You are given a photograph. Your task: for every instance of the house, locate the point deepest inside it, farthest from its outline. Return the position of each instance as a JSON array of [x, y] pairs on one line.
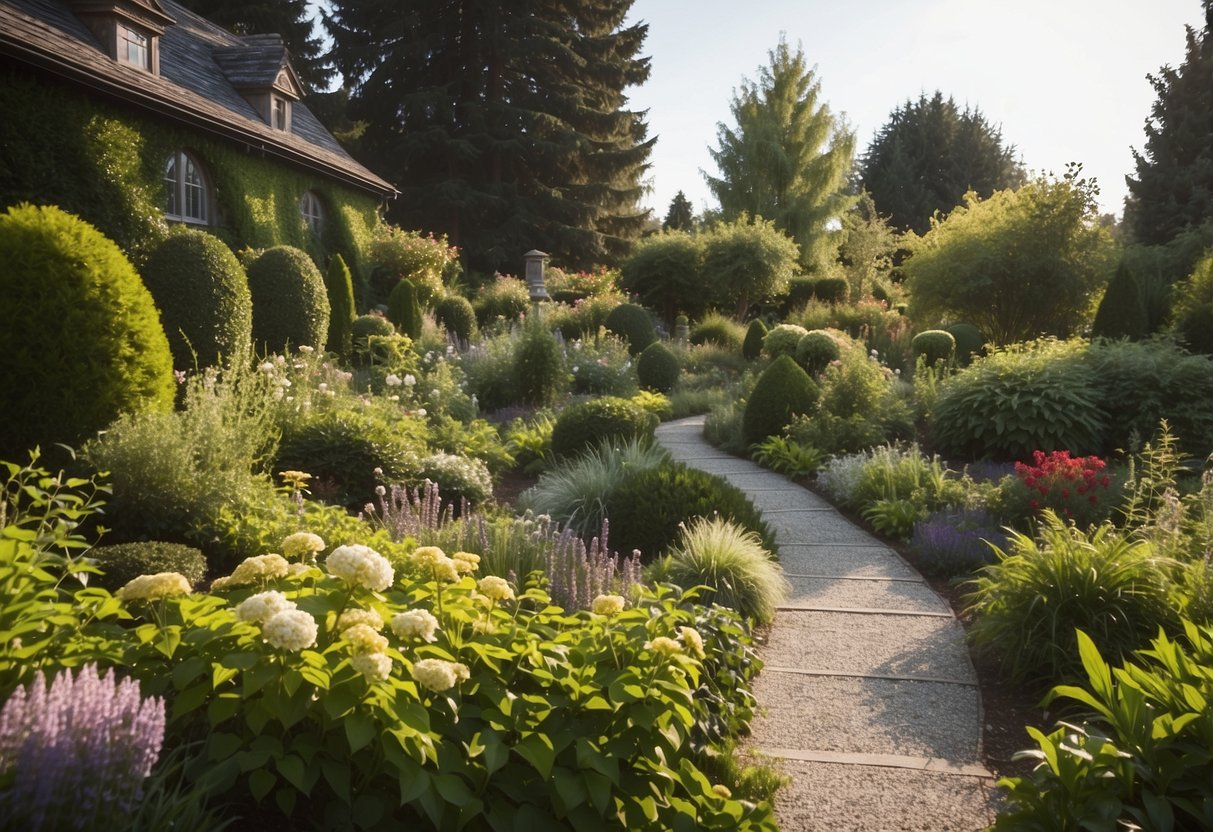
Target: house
[[136, 114]]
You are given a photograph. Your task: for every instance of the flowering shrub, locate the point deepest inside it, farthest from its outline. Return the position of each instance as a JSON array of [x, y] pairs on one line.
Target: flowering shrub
[[422, 258], [1070, 486]]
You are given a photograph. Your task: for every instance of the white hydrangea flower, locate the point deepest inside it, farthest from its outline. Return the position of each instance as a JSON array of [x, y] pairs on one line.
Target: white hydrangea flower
[[290, 630], [360, 565], [263, 606], [415, 624], [608, 604], [438, 675], [258, 568], [362, 639], [349, 618], [663, 645], [302, 545], [691, 640], [409, 379], [392, 380], [376, 667], [155, 587], [496, 588]]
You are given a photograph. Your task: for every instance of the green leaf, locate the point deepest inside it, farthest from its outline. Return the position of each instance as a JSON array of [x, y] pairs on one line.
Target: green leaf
[[294, 771], [260, 781], [537, 750], [359, 730]]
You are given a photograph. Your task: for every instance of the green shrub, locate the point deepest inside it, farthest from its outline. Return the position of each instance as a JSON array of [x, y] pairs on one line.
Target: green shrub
[[831, 289], [506, 298], [1035, 396], [203, 296], [934, 345], [424, 259], [815, 350], [633, 324], [583, 425], [122, 562], [456, 314], [647, 508], [457, 477], [538, 366], [782, 340], [656, 403], [787, 457], [1121, 312], [663, 272], [783, 391], [1193, 311], [751, 348], [719, 330], [861, 405], [890, 472], [403, 310], [80, 339], [731, 561], [340, 286], [290, 303], [1028, 604], [969, 342], [1140, 759], [800, 292], [658, 368], [364, 329], [583, 320]]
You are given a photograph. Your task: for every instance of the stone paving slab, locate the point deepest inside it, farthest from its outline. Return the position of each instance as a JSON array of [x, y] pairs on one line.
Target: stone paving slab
[[886, 595], [815, 527], [730, 467], [886, 645], [873, 561], [760, 479], [826, 797], [874, 716], [788, 498]]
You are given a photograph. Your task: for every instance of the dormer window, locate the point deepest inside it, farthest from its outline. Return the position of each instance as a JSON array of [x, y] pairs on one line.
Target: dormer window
[[282, 114], [134, 48], [260, 70], [128, 30]]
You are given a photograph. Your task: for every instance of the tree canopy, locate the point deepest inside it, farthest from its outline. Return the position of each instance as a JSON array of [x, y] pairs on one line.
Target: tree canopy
[[680, 216], [1173, 189], [747, 261], [787, 158], [504, 126], [929, 155], [1020, 264]]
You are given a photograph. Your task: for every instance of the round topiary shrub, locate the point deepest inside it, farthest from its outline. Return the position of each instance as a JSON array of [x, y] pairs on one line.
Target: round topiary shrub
[[366, 327], [646, 509], [831, 289], [80, 338], [815, 350], [783, 339], [751, 347], [290, 304], [632, 323], [584, 425], [122, 562], [969, 342], [455, 312], [203, 296], [658, 368], [538, 366], [782, 392], [403, 310], [933, 345], [719, 330]]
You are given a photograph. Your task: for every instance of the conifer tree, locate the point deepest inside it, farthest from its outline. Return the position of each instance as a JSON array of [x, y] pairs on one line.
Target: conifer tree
[[680, 216], [787, 158], [1121, 313], [1173, 189], [504, 126]]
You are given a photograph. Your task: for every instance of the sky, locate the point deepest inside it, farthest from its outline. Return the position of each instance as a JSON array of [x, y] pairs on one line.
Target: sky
[[1065, 80]]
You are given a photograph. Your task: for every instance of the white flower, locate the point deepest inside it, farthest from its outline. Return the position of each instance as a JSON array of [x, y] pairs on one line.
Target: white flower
[[692, 640], [439, 675], [575, 369], [496, 588], [267, 367], [466, 562], [305, 349], [376, 667], [392, 380], [409, 380], [415, 624], [263, 606], [421, 411], [360, 565], [302, 544], [362, 639], [349, 618], [393, 398], [663, 645], [435, 393], [608, 604], [322, 387], [155, 587], [290, 630], [258, 568]]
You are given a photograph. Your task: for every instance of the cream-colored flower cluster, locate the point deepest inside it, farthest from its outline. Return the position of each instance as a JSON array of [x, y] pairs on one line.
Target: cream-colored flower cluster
[[349, 618], [376, 667], [466, 562], [608, 604], [302, 545], [259, 608], [433, 560], [155, 587], [691, 640], [290, 630], [663, 645], [415, 624], [438, 675], [497, 589], [360, 565], [362, 640], [254, 570]]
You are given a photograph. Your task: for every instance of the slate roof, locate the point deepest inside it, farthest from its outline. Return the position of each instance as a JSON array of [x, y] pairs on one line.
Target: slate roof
[[255, 63], [191, 89]]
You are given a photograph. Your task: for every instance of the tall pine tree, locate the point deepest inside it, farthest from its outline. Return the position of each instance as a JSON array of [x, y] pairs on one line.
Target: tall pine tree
[[788, 157], [289, 18], [1174, 185], [680, 216], [504, 126], [928, 155]]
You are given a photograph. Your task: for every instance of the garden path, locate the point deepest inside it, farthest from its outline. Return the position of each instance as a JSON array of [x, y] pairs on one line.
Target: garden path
[[868, 700]]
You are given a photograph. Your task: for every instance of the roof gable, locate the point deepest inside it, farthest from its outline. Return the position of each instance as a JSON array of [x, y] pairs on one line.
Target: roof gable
[[262, 62]]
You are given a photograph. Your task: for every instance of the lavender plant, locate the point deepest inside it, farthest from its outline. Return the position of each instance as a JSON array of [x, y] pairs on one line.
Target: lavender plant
[[74, 753]]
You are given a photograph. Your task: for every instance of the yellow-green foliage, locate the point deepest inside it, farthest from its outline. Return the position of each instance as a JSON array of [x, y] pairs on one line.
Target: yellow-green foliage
[[80, 337], [783, 392], [290, 304]]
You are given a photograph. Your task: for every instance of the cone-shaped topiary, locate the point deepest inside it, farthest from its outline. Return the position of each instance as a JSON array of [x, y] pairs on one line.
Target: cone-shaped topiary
[[584, 425], [815, 350], [538, 366], [751, 347], [290, 304], [456, 314], [202, 293], [783, 391], [782, 340], [403, 309], [969, 342], [632, 323], [340, 286], [80, 338], [934, 345], [1121, 313], [658, 368]]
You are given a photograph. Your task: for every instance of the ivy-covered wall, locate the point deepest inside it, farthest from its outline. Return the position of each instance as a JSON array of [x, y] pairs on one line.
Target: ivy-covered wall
[[106, 164]]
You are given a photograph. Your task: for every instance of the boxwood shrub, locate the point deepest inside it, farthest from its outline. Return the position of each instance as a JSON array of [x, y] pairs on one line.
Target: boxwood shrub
[[455, 312], [934, 345], [751, 347], [290, 302], [815, 350], [632, 323], [585, 424], [122, 562], [658, 368], [783, 392]]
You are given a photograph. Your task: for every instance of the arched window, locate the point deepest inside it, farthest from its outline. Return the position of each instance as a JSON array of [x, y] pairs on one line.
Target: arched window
[[312, 210], [185, 187]]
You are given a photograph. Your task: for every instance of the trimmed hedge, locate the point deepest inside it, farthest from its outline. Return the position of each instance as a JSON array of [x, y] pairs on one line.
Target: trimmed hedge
[[969, 342], [783, 391], [584, 425], [290, 302], [934, 345], [455, 312], [632, 323], [782, 340], [658, 368], [339, 284], [122, 562], [403, 309], [751, 347], [815, 350]]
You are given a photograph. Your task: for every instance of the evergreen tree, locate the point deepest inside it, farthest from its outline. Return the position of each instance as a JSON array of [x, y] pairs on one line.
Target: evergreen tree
[[788, 157], [503, 125], [1174, 185], [1121, 313], [931, 153], [681, 216], [289, 18]]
